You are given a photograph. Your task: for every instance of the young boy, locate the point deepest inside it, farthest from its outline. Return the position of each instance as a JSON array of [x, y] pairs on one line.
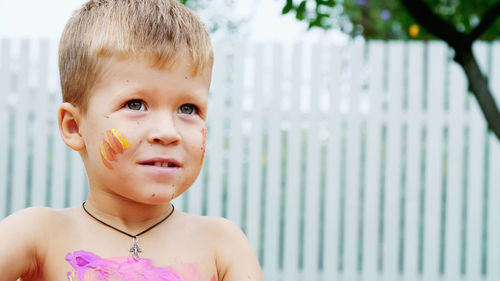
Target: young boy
[[135, 77]]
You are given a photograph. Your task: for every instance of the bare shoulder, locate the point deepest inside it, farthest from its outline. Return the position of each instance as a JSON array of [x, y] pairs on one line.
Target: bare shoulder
[[215, 229], [34, 219], [211, 225], [234, 255], [26, 232], [32, 213]]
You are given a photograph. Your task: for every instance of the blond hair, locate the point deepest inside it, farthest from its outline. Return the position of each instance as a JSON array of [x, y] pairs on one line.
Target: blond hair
[[157, 30]]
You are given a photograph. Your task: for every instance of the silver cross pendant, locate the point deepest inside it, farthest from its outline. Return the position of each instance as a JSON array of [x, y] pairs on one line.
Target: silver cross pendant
[[135, 250]]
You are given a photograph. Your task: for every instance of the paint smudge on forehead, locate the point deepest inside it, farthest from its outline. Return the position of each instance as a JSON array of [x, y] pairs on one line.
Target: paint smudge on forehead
[[113, 143]]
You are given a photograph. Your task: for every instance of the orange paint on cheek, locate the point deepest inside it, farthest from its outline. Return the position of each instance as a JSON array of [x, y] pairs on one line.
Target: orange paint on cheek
[[122, 140], [104, 160], [117, 143], [110, 153], [204, 133], [112, 144]]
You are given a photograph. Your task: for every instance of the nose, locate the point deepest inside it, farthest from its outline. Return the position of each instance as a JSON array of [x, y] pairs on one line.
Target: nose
[[163, 130]]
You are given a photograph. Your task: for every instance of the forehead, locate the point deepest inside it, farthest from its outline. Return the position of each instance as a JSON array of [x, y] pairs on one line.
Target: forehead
[[141, 73]]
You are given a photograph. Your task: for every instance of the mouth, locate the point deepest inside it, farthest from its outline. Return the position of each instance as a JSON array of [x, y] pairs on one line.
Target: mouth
[[165, 163]]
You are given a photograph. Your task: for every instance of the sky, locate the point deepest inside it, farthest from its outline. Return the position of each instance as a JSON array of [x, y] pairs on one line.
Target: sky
[[46, 18]]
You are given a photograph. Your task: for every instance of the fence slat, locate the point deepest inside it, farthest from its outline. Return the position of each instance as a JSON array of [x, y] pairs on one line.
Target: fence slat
[[373, 152], [19, 182], [273, 176], [4, 123], [312, 187], [392, 193], [458, 92], [292, 203], [332, 189], [255, 163], [413, 160], [215, 137], [353, 145], [475, 183], [41, 133], [493, 258], [236, 138], [433, 160]]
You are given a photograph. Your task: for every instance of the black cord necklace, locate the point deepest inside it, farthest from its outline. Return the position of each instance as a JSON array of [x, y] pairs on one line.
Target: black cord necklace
[[135, 250]]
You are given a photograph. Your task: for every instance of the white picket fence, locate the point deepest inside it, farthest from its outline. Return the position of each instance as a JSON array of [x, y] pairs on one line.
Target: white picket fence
[[358, 162]]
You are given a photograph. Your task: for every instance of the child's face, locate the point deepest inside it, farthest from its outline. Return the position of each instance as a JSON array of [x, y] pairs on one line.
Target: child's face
[[144, 130]]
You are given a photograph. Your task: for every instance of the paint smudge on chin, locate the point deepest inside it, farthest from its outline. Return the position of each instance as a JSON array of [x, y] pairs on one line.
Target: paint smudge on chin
[[113, 143], [204, 133], [153, 195]]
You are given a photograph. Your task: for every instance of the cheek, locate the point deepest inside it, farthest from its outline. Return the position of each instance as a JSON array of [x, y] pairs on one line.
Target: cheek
[[113, 143]]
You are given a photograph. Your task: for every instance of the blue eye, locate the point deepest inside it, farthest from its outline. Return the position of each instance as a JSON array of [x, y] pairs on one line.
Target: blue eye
[[135, 105], [187, 109]]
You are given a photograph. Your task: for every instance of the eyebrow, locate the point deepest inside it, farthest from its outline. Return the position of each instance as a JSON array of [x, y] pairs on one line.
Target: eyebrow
[[140, 92], [197, 97]]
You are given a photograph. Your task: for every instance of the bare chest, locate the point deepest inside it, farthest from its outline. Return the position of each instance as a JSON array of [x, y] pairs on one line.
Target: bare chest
[[120, 258]]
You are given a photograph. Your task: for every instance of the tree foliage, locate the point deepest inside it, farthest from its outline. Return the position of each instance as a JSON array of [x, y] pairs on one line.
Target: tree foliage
[[457, 22], [390, 19]]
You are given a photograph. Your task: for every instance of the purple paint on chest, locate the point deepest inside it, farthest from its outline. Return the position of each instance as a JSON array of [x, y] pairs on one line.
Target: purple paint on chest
[[90, 267]]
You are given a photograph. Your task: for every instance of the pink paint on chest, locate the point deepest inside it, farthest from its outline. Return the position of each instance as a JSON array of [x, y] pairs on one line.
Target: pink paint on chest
[[90, 267]]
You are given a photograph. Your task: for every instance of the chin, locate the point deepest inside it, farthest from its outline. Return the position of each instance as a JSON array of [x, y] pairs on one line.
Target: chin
[[159, 197]]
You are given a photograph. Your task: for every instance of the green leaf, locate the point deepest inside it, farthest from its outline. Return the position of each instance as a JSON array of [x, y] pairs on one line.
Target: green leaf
[[328, 3], [288, 7], [301, 11]]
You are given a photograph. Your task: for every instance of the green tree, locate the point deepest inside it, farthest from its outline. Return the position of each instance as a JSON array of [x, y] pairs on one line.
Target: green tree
[[457, 22]]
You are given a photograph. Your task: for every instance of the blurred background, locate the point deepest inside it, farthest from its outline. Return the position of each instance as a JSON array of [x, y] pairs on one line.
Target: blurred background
[[350, 140]]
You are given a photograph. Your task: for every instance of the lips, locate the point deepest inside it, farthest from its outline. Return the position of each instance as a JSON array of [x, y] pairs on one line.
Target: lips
[[161, 162]]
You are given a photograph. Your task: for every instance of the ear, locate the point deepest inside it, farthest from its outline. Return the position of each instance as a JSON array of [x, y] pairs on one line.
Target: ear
[[68, 117]]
